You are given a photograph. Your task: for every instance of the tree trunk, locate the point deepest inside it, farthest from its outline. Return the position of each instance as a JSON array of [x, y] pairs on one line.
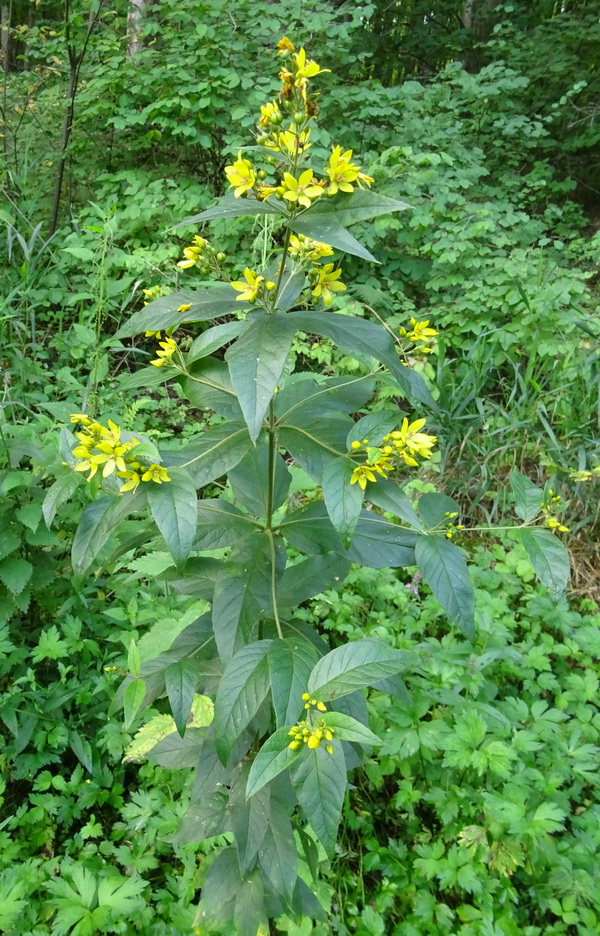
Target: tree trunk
[[135, 16]]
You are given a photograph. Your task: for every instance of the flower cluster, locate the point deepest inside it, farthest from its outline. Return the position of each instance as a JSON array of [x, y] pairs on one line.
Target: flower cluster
[[311, 735], [168, 346], [550, 505], [201, 252], [402, 444], [102, 446], [152, 293], [417, 340], [451, 526], [252, 287]]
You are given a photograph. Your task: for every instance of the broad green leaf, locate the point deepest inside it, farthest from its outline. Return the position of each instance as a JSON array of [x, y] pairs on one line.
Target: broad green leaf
[[250, 480], [133, 659], [528, 497], [277, 854], [214, 454], [242, 690], [242, 596], [209, 387], [373, 427], [178, 753], [549, 558], [292, 283], [132, 700], [249, 818], [310, 577], [180, 682], [369, 340], [290, 664], [313, 448], [342, 499], [203, 819], [378, 544], [256, 362], [360, 205], [327, 229], [146, 377], [199, 578], [221, 524], [15, 573], [354, 666], [174, 506], [222, 885], [433, 508], [273, 758], [228, 206], [319, 779], [313, 399], [58, 494], [346, 728], [390, 497], [249, 911], [210, 773], [444, 569], [203, 304], [310, 530], [98, 521], [212, 339]]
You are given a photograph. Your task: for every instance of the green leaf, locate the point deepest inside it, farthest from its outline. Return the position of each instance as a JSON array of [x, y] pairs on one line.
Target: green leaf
[[180, 682], [309, 451], [174, 506], [433, 508], [310, 577], [367, 339], [378, 544], [212, 456], [349, 729], [249, 819], [310, 530], [278, 855], [146, 377], [319, 780], [209, 387], [290, 664], [354, 666], [228, 206], [528, 497], [549, 558], [133, 659], [390, 497], [132, 700], [445, 571], [222, 885], [342, 499], [292, 282], [250, 479], [204, 304], [373, 427], [312, 400], [256, 362], [242, 595], [360, 205], [176, 752], [212, 339], [97, 522], [249, 910], [242, 690], [327, 229], [15, 574], [148, 736], [221, 524], [274, 757], [203, 819], [58, 494]]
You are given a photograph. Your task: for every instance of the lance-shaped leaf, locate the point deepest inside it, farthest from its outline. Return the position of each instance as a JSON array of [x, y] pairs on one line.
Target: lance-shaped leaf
[[302, 401], [528, 497], [212, 339], [132, 700], [242, 690], [274, 757], [58, 494], [327, 229], [365, 338], [360, 205], [250, 480], [390, 497], [162, 313], [98, 521], [228, 206], [249, 912], [278, 855], [180, 682], [214, 454], [310, 530], [174, 506], [319, 780], [203, 819], [377, 544], [445, 571], [373, 427], [433, 508], [310, 577], [292, 283], [249, 818], [221, 887], [347, 728], [549, 558], [342, 499], [209, 387], [146, 377], [290, 664], [221, 524], [354, 666], [256, 363]]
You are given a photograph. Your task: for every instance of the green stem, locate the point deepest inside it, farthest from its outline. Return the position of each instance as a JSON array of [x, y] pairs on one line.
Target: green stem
[[272, 433]]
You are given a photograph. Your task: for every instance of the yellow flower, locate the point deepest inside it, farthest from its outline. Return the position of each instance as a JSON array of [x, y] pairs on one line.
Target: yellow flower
[[264, 191], [284, 45], [184, 307], [270, 114], [111, 457], [362, 474], [152, 334], [251, 288], [132, 482], [409, 437], [80, 418], [168, 349], [303, 248], [156, 473], [305, 68], [342, 172], [84, 466], [420, 331], [289, 140], [327, 283], [301, 190], [240, 175]]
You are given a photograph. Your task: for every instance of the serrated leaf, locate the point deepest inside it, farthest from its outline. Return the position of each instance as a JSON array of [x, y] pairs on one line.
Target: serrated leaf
[[444, 569], [549, 558], [290, 664], [204, 304], [181, 679], [342, 499], [132, 700], [528, 497], [174, 506], [319, 780], [256, 362], [242, 690], [274, 757], [278, 855], [15, 573], [354, 666]]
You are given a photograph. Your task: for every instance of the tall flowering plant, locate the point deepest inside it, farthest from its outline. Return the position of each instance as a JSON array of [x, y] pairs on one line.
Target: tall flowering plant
[[273, 717]]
